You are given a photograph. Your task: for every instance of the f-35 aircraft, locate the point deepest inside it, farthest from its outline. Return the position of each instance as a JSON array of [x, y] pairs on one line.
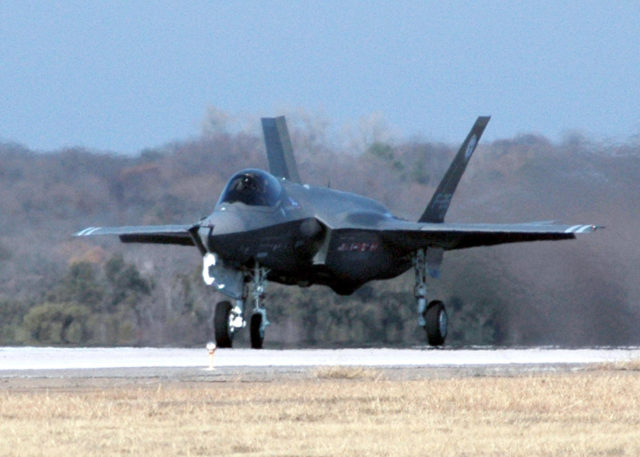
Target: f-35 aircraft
[[273, 227]]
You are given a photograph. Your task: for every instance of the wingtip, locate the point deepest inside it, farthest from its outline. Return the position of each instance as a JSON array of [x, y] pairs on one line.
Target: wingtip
[[577, 229], [592, 228], [87, 231]]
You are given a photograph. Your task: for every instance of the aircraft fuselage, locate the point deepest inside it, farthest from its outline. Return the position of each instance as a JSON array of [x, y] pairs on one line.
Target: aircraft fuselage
[[305, 236]]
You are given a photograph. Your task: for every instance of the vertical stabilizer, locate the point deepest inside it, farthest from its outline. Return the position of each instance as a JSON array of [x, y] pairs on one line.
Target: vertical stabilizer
[[279, 150], [439, 204]]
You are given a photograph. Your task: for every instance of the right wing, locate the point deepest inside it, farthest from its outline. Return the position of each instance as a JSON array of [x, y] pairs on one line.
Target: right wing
[[449, 236], [160, 234]]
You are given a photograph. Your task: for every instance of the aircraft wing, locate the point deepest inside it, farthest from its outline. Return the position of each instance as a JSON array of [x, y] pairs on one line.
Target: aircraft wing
[[160, 234], [449, 236]]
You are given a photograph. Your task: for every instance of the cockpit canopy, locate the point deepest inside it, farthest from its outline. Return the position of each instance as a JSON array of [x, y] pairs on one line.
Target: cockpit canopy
[[253, 188]]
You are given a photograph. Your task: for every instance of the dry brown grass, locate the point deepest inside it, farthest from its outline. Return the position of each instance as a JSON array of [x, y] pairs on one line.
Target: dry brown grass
[[627, 365], [339, 372], [594, 413]]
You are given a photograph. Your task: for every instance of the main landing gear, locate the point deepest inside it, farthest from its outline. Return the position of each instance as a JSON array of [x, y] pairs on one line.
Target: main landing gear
[[432, 317], [229, 319]]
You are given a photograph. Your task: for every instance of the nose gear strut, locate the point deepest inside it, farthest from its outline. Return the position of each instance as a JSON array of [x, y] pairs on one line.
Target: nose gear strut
[[259, 321], [230, 319]]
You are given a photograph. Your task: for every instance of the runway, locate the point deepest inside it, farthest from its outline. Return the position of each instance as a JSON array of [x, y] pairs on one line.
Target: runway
[[192, 363]]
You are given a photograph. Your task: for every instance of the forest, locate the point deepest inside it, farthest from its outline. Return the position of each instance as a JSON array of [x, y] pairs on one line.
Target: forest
[[59, 290]]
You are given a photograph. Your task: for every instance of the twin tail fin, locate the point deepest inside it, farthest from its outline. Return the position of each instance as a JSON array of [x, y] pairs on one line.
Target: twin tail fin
[[439, 204]]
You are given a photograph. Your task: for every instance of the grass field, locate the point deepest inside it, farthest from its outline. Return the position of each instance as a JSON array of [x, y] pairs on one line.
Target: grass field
[[331, 412]]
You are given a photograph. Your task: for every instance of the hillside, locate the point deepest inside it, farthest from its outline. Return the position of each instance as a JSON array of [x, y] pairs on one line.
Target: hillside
[[59, 290]]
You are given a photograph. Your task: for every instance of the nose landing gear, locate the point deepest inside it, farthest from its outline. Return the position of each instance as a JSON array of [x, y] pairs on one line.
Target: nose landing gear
[[229, 319], [259, 321]]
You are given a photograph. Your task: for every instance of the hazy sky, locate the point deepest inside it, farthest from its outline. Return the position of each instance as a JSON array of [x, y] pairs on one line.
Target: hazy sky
[[126, 75]]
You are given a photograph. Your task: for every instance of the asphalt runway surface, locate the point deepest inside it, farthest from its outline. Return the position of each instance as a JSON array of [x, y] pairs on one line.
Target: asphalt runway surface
[[174, 364]]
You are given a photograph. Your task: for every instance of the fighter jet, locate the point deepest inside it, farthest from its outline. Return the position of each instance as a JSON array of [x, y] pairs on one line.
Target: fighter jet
[[271, 226]]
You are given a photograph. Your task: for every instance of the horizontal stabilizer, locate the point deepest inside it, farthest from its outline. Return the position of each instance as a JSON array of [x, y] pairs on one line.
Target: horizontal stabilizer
[[439, 204]]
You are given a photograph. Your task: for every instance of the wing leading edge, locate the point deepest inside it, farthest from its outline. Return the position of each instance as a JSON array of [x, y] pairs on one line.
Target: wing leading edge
[[159, 234], [449, 236]]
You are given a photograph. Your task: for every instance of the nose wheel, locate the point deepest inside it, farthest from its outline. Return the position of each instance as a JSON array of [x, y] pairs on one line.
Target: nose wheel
[[259, 321], [257, 329], [227, 321]]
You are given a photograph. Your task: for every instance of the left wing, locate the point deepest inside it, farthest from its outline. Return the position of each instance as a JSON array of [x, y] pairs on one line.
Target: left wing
[[449, 236], [161, 234]]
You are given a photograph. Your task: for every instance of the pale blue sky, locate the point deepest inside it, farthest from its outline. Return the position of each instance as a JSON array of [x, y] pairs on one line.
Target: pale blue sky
[[126, 75]]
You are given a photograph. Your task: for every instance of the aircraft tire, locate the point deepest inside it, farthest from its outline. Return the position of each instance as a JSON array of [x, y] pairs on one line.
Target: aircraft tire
[[221, 324], [257, 336], [436, 323]]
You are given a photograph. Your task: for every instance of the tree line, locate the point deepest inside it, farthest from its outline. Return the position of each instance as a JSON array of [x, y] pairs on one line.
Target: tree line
[[64, 291]]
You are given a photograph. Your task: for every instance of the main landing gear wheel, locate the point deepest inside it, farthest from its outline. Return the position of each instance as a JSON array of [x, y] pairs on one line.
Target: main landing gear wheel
[[224, 335], [436, 321], [257, 331]]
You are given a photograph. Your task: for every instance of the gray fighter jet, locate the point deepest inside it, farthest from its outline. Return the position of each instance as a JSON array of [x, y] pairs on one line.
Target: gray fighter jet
[[273, 227]]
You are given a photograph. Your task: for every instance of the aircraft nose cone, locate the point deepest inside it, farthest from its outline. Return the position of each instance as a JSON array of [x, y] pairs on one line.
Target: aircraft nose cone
[[214, 229], [219, 223], [225, 222], [310, 228]]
